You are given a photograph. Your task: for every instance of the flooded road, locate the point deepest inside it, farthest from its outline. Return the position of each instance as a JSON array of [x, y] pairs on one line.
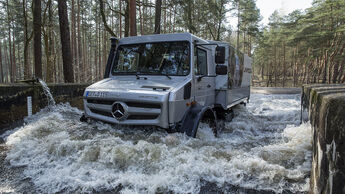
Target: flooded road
[[264, 149]]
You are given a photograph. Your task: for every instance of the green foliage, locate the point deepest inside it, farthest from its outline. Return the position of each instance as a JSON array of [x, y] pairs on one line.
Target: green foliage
[[309, 44]]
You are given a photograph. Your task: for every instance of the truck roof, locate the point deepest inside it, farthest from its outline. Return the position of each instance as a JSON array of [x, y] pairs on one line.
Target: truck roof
[[169, 37], [160, 38]]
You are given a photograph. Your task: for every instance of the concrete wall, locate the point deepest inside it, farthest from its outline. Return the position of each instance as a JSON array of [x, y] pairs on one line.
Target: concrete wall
[[325, 105], [13, 97]]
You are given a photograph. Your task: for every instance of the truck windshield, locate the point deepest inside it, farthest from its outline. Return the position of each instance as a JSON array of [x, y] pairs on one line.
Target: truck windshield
[[160, 58]]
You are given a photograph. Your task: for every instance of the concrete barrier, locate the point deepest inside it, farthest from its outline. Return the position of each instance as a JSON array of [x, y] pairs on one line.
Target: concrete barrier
[[13, 97], [325, 105]]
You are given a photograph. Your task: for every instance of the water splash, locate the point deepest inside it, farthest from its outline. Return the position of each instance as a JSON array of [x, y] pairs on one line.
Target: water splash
[[46, 90], [264, 149]]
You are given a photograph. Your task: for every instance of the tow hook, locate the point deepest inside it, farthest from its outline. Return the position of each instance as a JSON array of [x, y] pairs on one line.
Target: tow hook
[[83, 118]]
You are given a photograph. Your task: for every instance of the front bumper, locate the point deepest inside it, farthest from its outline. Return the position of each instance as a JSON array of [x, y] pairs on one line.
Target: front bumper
[[151, 111]]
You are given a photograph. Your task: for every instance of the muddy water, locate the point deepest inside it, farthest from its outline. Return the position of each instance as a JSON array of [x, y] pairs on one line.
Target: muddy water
[[263, 150]]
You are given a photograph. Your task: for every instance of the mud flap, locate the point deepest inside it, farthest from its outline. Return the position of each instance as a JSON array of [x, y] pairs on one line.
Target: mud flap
[[191, 119]]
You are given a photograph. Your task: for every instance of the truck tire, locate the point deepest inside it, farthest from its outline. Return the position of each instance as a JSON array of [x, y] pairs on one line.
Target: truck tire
[[225, 115], [229, 115], [192, 118], [213, 125]]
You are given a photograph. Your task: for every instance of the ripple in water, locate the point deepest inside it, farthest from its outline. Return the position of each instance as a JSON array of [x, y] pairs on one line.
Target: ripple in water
[[264, 149]]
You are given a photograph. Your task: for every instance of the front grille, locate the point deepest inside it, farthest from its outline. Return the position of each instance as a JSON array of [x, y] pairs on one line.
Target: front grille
[[104, 113], [105, 102], [143, 105], [130, 104], [142, 117]]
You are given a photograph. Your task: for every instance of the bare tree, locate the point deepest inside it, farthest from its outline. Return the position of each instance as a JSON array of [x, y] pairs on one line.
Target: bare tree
[[132, 20], [79, 45], [27, 39], [1, 71], [65, 42], [37, 23], [158, 14]]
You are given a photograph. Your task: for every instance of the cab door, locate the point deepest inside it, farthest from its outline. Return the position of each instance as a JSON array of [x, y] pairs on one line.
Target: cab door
[[204, 84]]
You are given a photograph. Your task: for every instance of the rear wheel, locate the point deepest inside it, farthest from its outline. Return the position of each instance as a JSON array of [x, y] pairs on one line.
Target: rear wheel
[[229, 115], [225, 115]]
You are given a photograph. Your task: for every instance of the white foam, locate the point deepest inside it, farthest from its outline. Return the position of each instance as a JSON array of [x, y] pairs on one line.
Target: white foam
[[263, 148]]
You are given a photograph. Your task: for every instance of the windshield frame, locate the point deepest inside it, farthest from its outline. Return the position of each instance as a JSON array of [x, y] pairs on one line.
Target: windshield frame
[[116, 56]]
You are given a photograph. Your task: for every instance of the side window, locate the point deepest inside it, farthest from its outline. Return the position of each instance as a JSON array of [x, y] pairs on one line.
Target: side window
[[200, 62]]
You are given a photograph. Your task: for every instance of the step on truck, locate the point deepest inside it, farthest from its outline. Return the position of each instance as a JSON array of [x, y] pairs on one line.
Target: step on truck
[[172, 81]]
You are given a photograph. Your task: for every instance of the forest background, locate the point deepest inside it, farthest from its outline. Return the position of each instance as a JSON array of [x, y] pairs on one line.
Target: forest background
[[68, 40]]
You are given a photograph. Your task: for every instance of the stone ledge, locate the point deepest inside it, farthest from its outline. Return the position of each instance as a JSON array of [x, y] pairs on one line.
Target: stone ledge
[[325, 105]]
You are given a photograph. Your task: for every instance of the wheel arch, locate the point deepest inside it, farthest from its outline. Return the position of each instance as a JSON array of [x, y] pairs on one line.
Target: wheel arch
[[193, 116]]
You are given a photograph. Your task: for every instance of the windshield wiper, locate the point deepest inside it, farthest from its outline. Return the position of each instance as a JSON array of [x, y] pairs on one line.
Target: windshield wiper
[[138, 77]]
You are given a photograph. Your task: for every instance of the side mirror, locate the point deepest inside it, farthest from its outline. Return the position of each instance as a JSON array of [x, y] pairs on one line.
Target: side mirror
[[220, 55], [221, 69]]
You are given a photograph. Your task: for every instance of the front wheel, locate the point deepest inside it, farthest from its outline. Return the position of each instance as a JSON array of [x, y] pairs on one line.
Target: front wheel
[[212, 124]]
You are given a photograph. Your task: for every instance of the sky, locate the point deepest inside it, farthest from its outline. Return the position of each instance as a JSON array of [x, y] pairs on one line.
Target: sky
[[267, 7]]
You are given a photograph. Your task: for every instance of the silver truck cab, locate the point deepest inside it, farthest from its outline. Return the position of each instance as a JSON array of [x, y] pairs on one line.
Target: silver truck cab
[[169, 80]]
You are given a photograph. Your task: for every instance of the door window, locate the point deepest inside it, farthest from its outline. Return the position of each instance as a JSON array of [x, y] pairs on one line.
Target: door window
[[200, 62]]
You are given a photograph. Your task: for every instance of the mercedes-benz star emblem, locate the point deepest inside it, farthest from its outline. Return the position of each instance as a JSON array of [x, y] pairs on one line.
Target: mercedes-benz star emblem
[[119, 111]]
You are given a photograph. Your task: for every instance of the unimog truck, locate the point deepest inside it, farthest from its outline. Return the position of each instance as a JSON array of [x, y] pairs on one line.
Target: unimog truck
[[172, 81]]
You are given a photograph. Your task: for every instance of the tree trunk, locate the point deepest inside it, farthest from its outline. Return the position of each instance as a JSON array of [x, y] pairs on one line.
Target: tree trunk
[[79, 46], [65, 42], [174, 22], [132, 20], [74, 42], [27, 39], [9, 42], [50, 44], [158, 13], [164, 16], [189, 16], [1, 70], [324, 78], [120, 19], [284, 66], [238, 26], [14, 67], [37, 23], [170, 21], [141, 19], [127, 19]]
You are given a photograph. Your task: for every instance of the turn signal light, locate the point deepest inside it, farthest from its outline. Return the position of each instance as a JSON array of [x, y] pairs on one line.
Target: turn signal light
[[193, 103]]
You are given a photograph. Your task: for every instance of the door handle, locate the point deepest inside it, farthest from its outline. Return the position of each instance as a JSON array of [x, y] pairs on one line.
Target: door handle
[[208, 85]]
